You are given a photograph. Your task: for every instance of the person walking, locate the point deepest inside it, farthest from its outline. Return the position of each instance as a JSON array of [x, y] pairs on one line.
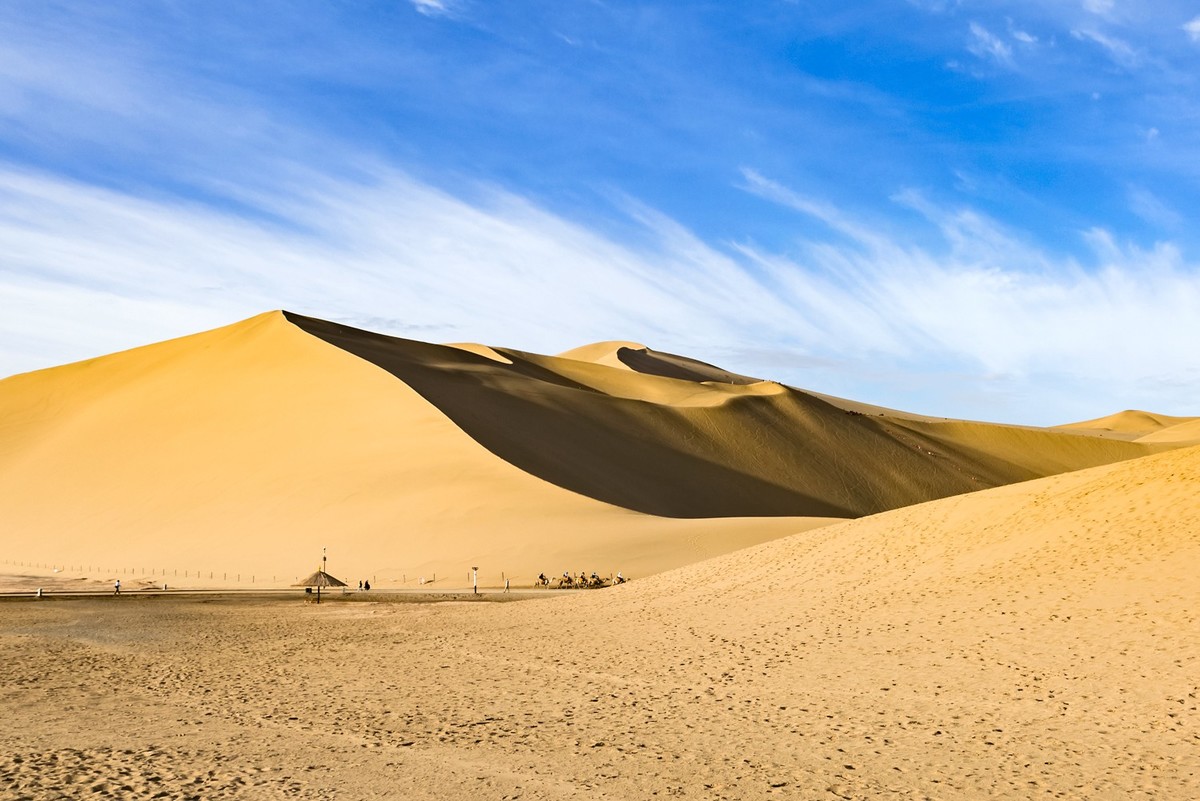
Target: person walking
[[117, 588]]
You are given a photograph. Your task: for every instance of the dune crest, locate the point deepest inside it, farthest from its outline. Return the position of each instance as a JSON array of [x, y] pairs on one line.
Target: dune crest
[[241, 452], [481, 350], [640, 359], [684, 448]]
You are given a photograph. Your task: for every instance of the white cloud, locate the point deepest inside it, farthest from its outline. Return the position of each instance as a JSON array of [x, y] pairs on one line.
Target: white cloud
[[1153, 209], [1192, 29], [1118, 50], [985, 44], [86, 271], [1024, 37], [435, 8], [1101, 7]]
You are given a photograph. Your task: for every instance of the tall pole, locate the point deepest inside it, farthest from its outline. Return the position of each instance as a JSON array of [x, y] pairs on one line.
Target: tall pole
[[321, 577]]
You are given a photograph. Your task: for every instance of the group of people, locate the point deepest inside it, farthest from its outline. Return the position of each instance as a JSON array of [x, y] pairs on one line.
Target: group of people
[[582, 580], [364, 585]]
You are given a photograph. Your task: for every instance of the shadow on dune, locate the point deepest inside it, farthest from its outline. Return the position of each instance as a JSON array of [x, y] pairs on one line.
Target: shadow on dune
[[777, 453]]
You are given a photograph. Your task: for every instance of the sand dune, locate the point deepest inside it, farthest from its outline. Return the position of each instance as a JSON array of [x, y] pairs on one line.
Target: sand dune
[[687, 448], [1187, 432], [1036, 640], [641, 359], [1130, 424], [234, 455]]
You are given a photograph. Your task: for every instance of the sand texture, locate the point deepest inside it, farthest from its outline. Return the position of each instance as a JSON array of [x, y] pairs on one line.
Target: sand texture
[[1033, 641]]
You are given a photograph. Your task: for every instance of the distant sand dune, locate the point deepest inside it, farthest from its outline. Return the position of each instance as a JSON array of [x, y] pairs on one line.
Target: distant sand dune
[[1129, 424], [641, 359], [1180, 433]]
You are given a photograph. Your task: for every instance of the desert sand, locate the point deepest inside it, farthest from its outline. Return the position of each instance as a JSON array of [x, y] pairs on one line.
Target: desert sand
[[830, 599], [232, 457], [1034, 640], [1135, 424]]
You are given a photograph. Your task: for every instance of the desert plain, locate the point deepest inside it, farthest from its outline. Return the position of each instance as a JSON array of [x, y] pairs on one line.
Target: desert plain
[[829, 600]]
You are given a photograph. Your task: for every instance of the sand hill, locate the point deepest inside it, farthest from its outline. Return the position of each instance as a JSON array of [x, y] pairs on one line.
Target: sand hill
[[241, 451], [1187, 432], [1129, 424], [1036, 640]]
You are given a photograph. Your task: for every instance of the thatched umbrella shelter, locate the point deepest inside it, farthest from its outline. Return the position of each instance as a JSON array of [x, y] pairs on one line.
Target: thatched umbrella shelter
[[320, 579]]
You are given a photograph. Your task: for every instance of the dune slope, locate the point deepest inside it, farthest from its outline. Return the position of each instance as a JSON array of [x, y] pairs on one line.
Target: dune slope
[[687, 448], [240, 452], [1187, 432], [1033, 639], [1129, 424], [1037, 640]]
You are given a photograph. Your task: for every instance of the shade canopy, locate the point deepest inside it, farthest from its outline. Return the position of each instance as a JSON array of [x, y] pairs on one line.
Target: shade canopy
[[320, 579]]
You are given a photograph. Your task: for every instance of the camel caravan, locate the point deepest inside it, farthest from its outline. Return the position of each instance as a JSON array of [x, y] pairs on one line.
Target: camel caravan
[[581, 582]]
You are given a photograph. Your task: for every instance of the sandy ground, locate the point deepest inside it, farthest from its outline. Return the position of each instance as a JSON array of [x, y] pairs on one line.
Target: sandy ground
[[1038, 640]]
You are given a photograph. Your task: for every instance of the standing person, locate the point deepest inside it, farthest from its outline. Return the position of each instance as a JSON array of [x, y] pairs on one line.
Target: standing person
[[117, 588]]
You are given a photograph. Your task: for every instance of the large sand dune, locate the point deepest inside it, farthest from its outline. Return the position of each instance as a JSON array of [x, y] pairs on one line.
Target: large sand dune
[[1037, 640], [234, 455]]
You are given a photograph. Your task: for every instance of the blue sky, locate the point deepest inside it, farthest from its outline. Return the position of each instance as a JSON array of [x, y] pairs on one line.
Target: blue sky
[[970, 209]]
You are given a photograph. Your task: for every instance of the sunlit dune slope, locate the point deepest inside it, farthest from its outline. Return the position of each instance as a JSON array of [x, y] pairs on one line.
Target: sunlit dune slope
[[1185, 432], [1032, 639], [1110, 536], [246, 449], [1129, 424], [687, 448]]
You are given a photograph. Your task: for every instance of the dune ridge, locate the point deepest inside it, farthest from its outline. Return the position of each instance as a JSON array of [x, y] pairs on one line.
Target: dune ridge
[[640, 359], [686, 448], [230, 458]]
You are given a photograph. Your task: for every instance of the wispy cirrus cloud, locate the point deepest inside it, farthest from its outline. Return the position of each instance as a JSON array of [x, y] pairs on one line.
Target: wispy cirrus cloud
[[1192, 28], [986, 45], [986, 316], [1101, 7], [436, 8], [1117, 49], [1153, 209]]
